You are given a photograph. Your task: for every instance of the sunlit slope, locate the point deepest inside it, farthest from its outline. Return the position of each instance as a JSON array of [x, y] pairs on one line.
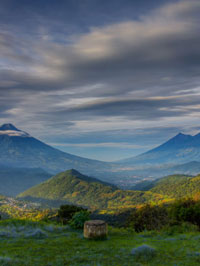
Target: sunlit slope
[[73, 187]]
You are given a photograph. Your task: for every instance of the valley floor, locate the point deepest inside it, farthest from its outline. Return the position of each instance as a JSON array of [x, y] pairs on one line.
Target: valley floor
[[38, 244]]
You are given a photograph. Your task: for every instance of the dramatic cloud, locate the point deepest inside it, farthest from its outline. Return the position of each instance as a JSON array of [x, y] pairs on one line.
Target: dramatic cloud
[[137, 72]]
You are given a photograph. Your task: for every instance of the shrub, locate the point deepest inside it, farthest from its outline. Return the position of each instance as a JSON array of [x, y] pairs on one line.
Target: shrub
[[143, 252], [185, 210], [117, 219], [79, 218], [180, 228], [148, 218], [66, 212]]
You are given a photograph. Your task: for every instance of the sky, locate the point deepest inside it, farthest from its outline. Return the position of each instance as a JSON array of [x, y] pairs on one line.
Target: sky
[[101, 79]]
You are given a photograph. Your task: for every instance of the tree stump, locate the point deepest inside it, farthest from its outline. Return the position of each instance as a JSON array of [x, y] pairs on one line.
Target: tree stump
[[95, 229]]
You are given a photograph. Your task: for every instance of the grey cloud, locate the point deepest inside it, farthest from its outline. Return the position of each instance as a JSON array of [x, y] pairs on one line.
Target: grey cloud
[[14, 49], [147, 135], [139, 109], [157, 55], [141, 53]]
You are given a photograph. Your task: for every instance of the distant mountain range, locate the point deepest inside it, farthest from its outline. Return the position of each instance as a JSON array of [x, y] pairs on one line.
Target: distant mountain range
[[179, 155]]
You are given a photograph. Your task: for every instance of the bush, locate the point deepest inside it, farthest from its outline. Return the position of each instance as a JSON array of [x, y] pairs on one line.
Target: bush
[[148, 218], [118, 219], [66, 212], [185, 210], [180, 228], [79, 218]]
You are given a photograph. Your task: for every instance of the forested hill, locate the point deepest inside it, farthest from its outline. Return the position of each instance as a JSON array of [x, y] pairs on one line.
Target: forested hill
[[73, 187], [173, 186], [178, 186]]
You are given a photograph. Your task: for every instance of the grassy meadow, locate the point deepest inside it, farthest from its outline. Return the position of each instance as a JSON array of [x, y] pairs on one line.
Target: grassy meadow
[[26, 243]]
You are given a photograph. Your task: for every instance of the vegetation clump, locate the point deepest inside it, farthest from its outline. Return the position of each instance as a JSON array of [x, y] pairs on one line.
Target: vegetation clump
[[37, 233], [148, 218], [73, 215], [79, 218], [185, 210], [66, 212], [181, 215], [144, 252], [6, 261]]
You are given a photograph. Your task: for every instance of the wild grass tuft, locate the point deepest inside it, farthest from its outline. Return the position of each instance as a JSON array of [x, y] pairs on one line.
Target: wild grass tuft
[[144, 252], [6, 261]]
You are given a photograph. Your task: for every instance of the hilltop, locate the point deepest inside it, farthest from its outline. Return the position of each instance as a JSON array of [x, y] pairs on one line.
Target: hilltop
[[73, 187]]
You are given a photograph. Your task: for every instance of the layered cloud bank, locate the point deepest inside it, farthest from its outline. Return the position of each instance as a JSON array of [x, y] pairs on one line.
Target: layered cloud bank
[[134, 75]]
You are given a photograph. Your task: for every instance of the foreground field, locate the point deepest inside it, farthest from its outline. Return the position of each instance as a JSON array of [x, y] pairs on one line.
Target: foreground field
[[32, 244]]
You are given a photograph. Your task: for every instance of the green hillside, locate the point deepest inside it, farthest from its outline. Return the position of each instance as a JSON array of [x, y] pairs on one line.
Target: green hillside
[[177, 186], [72, 187]]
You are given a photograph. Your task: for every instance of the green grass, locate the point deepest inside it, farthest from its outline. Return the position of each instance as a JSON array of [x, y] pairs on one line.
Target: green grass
[[63, 246]]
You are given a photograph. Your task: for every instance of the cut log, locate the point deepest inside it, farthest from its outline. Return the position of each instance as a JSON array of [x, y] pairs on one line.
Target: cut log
[[95, 229]]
